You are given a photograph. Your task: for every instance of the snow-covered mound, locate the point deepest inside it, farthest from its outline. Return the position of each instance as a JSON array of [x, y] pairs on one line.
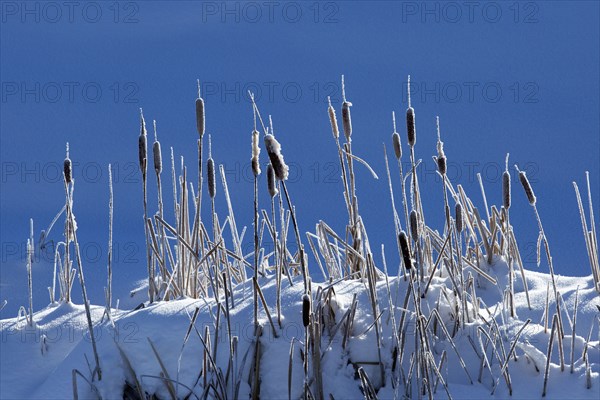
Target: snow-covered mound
[[38, 362]]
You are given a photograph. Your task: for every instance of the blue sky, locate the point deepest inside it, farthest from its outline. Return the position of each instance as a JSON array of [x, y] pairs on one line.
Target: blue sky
[[518, 77]]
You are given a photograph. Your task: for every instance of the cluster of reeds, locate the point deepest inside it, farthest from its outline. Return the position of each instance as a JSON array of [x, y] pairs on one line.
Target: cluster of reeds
[[189, 257]]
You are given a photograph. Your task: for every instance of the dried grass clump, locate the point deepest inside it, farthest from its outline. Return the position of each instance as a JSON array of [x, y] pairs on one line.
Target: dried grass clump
[[187, 259]]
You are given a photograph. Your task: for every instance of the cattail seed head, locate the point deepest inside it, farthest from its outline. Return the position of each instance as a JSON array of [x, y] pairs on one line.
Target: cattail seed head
[[396, 139], [142, 147], [156, 153], [410, 120], [305, 310], [441, 162], [274, 151], [414, 226], [200, 124], [67, 167], [210, 171], [410, 126], [333, 120], [271, 184], [157, 157], [441, 158], [506, 186], [458, 211], [346, 118], [397, 145], [506, 189], [255, 153], [527, 186], [403, 241]]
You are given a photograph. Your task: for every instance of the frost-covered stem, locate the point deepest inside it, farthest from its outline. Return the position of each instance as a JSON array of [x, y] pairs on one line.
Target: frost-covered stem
[[403, 188], [574, 326], [161, 232], [148, 254], [593, 237], [550, 265], [67, 266], [110, 241], [53, 293], [255, 248], [589, 236], [278, 267], [463, 300], [511, 284], [487, 211], [29, 280], [297, 232], [200, 184], [84, 293], [549, 353], [216, 239]]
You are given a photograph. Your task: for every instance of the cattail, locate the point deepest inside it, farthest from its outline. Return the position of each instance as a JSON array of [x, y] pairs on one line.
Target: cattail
[[305, 310], [441, 158], [458, 211], [441, 162], [396, 139], [403, 240], [210, 171], [410, 121], [142, 148], [346, 118], [527, 186], [274, 151], [255, 153], [200, 113], [333, 120], [67, 167], [156, 153], [271, 181], [414, 226], [506, 186]]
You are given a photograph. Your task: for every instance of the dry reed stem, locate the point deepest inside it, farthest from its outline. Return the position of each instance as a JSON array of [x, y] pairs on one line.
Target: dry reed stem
[[574, 330], [549, 353]]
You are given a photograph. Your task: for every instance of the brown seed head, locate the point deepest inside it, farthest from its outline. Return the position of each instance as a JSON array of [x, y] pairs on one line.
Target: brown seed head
[[271, 184], [67, 167], [405, 250], [274, 151], [200, 124]]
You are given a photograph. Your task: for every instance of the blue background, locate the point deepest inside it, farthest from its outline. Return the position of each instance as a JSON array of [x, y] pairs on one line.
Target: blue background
[[533, 68]]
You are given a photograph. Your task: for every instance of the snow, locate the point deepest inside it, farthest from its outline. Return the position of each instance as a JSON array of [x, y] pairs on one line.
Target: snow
[[28, 372]]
